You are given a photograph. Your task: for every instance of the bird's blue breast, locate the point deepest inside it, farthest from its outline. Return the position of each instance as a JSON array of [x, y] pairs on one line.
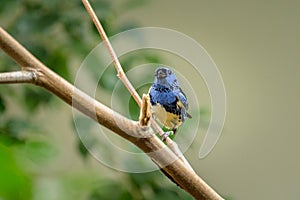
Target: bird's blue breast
[[162, 95], [165, 97]]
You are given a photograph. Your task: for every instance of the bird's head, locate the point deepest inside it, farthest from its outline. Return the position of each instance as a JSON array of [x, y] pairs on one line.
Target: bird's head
[[166, 77]]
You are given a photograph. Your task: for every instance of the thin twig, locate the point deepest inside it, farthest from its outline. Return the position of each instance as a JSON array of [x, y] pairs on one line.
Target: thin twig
[[112, 53], [172, 145], [17, 77]]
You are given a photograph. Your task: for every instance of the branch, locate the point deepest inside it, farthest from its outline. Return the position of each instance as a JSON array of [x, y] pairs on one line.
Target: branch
[[145, 114], [17, 77], [112, 53], [126, 128], [122, 76]]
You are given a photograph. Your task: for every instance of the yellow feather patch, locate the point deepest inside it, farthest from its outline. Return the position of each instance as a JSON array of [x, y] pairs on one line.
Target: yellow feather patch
[[169, 120]]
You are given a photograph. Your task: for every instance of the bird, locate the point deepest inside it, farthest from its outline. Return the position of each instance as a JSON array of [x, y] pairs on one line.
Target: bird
[[169, 104]]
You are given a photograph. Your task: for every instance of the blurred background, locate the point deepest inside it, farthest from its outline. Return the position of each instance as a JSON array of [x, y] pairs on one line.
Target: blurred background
[[255, 45]]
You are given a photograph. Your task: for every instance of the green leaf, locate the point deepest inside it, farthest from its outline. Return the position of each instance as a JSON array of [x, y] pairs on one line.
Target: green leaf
[[134, 109], [109, 79], [58, 63], [40, 151], [110, 190], [82, 149], [14, 184], [34, 97], [16, 126], [12, 131], [83, 124]]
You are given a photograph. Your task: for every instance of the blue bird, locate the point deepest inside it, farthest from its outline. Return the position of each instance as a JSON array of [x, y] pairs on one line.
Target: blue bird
[[169, 104]]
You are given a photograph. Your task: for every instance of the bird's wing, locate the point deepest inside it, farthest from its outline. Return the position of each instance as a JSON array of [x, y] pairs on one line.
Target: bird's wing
[[182, 98]]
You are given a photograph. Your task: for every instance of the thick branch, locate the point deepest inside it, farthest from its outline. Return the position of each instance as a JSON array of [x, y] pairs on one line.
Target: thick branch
[[122, 126]]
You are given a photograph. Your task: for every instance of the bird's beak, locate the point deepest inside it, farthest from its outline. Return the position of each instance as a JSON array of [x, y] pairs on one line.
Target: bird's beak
[[161, 74]]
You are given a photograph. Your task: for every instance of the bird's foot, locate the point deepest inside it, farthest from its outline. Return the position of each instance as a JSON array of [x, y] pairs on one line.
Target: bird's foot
[[166, 134]]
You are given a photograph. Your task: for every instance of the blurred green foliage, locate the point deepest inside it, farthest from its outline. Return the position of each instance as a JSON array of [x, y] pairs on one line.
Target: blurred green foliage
[[14, 182], [139, 186], [60, 33]]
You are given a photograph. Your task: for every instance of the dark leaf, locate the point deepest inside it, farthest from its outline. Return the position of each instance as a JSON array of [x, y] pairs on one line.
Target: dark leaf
[[58, 62], [109, 79], [110, 190], [34, 97], [16, 127], [134, 109], [83, 124], [82, 149], [12, 131], [2, 105]]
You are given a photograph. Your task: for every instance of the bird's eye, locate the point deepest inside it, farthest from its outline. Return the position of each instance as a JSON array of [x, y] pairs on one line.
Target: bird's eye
[[169, 72]]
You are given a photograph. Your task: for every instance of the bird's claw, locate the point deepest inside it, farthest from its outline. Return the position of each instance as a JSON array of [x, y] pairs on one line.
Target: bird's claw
[[166, 134]]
